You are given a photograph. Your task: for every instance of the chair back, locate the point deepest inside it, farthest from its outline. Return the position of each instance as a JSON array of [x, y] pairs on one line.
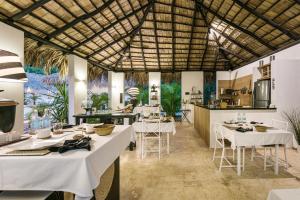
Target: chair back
[[219, 134], [283, 125], [151, 126]]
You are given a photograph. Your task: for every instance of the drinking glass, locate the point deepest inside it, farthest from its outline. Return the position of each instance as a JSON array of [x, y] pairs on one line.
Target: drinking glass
[[57, 128]]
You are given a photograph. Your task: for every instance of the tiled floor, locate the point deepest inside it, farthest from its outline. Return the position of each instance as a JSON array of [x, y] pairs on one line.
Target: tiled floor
[[188, 173]]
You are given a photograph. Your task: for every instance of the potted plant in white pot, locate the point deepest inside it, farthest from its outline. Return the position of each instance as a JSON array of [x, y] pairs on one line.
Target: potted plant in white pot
[[293, 118]]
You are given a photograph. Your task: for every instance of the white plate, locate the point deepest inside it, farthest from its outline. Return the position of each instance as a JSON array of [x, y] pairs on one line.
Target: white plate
[[36, 144]]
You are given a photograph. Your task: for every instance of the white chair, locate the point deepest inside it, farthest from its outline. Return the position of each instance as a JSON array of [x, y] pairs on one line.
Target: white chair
[[225, 145], [27, 195], [151, 131], [279, 125]]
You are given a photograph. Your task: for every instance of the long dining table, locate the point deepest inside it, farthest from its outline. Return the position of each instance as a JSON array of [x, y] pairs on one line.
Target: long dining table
[[272, 136], [75, 171]]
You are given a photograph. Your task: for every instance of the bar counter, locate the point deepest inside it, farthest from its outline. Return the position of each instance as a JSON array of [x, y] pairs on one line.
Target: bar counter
[[205, 118]]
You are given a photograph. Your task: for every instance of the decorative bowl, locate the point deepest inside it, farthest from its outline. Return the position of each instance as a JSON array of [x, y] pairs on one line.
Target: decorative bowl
[[260, 128], [105, 129]]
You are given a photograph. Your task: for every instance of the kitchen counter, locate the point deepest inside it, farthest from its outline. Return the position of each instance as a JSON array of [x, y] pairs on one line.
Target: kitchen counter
[[205, 118], [234, 108]]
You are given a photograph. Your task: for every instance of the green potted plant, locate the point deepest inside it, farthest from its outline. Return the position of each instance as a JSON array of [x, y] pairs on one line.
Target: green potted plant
[[293, 118]]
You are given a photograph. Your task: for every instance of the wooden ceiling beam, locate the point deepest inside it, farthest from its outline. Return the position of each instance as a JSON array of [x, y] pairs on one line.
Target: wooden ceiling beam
[[142, 49], [156, 38], [52, 44], [79, 19], [204, 16], [165, 70], [141, 22], [73, 15], [267, 20], [29, 9], [236, 42], [173, 33], [245, 31], [110, 26], [223, 53], [233, 53], [191, 37]]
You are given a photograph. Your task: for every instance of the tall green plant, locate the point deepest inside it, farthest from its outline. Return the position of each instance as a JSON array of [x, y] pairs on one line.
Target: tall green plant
[[143, 96], [171, 98], [60, 104], [293, 118], [99, 99]]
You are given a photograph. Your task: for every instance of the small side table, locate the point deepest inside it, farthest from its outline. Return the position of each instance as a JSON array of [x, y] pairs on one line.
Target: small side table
[[185, 113]]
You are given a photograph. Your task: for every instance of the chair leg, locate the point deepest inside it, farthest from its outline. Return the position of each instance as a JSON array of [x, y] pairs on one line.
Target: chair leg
[[143, 145], [233, 154], [243, 158], [168, 142], [285, 157], [252, 153], [159, 144], [214, 154], [265, 159], [222, 157]]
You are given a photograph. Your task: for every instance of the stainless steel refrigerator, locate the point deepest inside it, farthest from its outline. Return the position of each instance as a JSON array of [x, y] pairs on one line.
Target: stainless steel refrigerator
[[262, 93]]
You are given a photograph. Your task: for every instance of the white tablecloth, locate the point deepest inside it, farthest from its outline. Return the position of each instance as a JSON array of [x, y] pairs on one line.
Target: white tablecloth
[[254, 138], [76, 171], [148, 109], [166, 127], [284, 194]]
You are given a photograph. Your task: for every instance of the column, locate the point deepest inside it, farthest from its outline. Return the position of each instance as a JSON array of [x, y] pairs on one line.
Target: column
[[116, 89], [154, 79], [77, 87]]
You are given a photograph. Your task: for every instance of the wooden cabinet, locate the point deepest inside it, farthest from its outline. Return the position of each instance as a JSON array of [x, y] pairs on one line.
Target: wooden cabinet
[[202, 123]]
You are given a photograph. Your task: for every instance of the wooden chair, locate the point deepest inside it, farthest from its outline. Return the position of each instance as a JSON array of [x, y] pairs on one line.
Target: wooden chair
[[220, 141], [151, 130], [283, 126]]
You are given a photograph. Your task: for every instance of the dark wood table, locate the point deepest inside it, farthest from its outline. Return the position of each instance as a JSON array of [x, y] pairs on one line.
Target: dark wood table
[[105, 117], [109, 118]]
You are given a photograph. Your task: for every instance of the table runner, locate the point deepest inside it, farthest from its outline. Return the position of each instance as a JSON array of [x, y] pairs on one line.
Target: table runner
[[76, 171]]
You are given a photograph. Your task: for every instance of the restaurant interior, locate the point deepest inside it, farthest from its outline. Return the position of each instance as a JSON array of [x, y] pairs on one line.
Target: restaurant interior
[[149, 100]]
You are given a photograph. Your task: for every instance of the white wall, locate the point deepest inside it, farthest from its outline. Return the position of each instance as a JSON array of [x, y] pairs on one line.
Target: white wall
[[221, 75], [286, 92], [154, 79], [189, 80], [77, 85], [285, 71], [115, 88], [12, 40]]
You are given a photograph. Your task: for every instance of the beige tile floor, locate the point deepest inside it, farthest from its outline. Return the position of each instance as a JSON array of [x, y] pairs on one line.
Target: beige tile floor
[[188, 173]]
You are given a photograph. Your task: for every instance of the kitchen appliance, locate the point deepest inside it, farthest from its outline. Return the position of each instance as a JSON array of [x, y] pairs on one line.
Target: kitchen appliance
[[7, 114], [262, 93]]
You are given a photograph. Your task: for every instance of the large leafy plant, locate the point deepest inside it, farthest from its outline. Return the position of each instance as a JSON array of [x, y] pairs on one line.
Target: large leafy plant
[[293, 118], [143, 96], [171, 98], [60, 104], [99, 100]]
